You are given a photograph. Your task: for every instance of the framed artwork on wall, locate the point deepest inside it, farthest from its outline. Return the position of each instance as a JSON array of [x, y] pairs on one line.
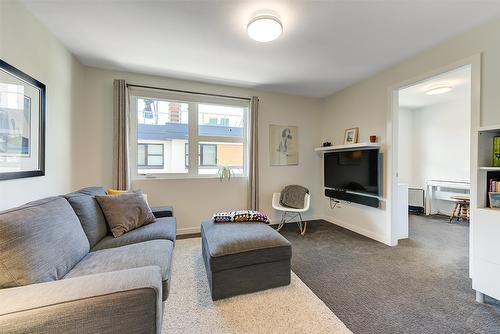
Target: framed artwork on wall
[[22, 124], [283, 145]]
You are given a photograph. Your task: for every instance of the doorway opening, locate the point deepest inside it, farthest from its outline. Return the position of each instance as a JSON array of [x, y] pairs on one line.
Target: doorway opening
[[433, 133]]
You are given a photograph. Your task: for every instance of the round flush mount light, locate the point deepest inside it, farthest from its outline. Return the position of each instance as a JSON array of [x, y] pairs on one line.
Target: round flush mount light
[[264, 28], [441, 89]]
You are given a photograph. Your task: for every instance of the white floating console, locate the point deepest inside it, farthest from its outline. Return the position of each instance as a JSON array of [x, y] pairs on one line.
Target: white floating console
[[348, 147]]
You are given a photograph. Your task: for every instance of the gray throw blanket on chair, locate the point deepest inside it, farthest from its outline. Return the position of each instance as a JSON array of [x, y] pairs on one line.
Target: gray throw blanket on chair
[[293, 196]]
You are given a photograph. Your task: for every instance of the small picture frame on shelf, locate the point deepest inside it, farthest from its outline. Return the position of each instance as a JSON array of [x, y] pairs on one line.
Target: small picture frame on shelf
[[351, 136], [494, 200]]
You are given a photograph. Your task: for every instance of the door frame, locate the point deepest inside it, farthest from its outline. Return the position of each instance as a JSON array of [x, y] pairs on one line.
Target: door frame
[[393, 137]]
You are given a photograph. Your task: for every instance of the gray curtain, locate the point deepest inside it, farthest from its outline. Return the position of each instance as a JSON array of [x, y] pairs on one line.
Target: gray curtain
[[253, 163], [121, 170]]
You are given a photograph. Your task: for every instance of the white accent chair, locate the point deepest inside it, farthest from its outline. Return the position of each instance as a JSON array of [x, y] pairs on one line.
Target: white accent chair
[[289, 214]]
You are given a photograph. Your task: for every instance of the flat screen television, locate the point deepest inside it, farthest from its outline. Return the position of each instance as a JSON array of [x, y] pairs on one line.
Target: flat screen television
[[356, 171]]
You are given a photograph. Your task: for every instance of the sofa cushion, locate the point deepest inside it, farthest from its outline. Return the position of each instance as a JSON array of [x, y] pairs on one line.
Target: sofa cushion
[[89, 212], [163, 228], [234, 245], [39, 242], [125, 212], [150, 253]]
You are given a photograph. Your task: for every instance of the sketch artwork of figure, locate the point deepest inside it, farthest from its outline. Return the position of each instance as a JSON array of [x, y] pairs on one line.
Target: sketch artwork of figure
[[286, 136]]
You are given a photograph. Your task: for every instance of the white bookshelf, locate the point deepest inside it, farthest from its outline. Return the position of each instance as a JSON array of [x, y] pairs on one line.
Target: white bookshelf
[[489, 128], [348, 147], [485, 224], [490, 169]]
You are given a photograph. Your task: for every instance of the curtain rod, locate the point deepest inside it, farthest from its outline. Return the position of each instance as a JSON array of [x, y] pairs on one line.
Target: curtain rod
[[189, 92]]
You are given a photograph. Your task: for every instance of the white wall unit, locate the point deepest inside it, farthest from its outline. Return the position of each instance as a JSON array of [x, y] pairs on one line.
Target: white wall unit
[[486, 262], [485, 259]]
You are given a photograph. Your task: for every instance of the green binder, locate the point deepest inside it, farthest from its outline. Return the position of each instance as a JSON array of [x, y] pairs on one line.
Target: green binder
[[496, 152]]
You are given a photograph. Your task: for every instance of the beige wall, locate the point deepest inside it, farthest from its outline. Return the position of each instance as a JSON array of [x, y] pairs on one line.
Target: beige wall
[[197, 199], [27, 45], [79, 125], [365, 105]]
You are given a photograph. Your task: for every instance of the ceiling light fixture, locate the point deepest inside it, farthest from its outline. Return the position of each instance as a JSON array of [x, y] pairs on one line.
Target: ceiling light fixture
[[264, 28], [439, 90]]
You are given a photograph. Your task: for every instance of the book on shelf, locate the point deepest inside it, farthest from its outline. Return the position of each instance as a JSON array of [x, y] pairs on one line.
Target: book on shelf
[[496, 151], [494, 186]]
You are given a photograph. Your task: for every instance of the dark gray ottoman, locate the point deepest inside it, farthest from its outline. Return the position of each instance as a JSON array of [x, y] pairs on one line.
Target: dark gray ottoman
[[244, 257]]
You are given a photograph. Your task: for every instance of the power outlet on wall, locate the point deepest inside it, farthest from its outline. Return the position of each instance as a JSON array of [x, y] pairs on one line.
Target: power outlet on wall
[[334, 203]]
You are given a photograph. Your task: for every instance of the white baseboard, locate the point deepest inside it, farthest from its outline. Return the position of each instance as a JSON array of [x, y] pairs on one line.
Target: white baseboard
[[196, 229], [356, 229], [277, 220], [188, 230]]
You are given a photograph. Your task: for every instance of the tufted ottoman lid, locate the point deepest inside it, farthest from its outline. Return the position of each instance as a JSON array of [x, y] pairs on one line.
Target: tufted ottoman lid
[[233, 245]]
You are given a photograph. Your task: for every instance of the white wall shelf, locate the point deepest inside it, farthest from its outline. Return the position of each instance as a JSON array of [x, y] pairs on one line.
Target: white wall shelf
[[348, 147], [489, 128], [490, 169]]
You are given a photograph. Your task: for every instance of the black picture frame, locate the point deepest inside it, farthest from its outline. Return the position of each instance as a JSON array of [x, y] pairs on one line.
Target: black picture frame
[[27, 79]]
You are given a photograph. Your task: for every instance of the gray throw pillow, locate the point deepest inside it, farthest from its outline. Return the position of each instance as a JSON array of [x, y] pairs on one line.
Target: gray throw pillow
[[125, 212]]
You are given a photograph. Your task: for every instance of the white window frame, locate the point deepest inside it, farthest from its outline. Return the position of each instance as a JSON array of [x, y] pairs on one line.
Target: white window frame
[[193, 137]]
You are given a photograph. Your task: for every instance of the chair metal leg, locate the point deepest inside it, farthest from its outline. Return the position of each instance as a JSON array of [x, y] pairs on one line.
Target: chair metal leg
[[302, 225], [453, 212], [285, 218], [282, 221]]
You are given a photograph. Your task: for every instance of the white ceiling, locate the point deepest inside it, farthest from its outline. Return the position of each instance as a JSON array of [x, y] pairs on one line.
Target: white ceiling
[[326, 45], [414, 97]]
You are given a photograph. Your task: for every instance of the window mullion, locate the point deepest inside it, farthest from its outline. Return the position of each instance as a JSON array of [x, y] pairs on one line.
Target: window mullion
[[193, 138]]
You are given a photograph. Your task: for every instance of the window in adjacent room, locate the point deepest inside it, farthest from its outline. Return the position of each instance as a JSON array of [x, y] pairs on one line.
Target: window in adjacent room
[[197, 134]]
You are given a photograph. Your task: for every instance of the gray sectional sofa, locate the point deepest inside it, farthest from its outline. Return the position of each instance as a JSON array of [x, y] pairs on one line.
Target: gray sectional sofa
[[61, 271]]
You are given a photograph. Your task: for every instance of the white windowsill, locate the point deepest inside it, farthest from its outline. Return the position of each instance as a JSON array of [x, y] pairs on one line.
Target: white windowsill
[[181, 177]]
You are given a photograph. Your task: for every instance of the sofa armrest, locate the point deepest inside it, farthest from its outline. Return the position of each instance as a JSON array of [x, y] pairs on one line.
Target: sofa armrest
[[125, 301], [163, 211]]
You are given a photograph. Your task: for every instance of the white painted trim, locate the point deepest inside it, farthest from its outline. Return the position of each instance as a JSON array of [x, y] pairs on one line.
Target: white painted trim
[[347, 147], [196, 229], [188, 230], [490, 128], [492, 169], [357, 229]]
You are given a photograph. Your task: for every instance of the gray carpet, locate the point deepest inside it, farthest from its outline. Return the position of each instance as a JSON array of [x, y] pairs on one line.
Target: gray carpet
[[420, 286]]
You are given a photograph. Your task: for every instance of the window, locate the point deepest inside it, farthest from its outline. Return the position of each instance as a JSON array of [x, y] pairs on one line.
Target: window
[[220, 120], [150, 156], [197, 134]]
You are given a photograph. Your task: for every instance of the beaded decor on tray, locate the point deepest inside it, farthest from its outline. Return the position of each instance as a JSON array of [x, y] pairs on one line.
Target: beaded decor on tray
[[240, 216]]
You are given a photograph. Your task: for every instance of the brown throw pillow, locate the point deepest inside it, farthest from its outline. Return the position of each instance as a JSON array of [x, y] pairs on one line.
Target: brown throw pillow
[[125, 212]]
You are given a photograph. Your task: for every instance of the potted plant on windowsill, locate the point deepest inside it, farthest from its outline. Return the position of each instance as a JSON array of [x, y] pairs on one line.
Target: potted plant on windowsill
[[225, 172]]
